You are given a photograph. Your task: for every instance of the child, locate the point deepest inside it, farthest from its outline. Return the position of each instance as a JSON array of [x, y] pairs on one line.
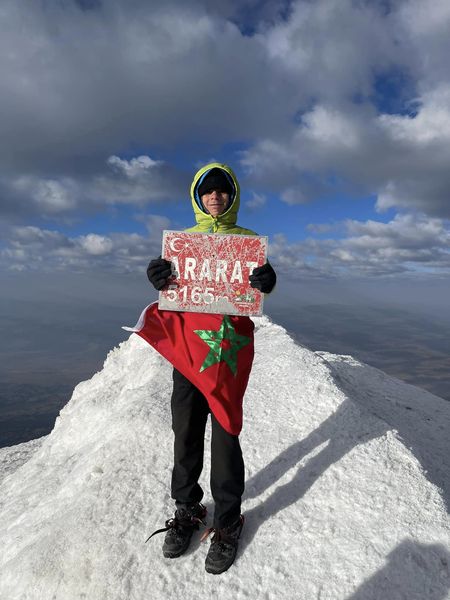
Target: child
[[215, 200]]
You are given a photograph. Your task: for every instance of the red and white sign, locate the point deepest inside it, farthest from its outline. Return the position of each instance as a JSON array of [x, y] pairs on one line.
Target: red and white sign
[[210, 272]]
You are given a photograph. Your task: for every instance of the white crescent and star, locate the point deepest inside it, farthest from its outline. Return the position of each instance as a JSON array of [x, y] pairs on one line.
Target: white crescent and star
[[174, 248]]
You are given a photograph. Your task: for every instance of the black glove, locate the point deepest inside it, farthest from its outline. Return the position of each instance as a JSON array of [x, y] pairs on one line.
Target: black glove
[[158, 272], [263, 278]]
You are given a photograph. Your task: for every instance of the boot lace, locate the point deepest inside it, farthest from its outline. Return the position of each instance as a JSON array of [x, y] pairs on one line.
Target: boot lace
[[223, 536], [177, 523]]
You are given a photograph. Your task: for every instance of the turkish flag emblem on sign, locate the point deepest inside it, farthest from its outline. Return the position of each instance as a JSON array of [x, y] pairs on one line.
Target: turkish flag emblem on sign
[[210, 273]]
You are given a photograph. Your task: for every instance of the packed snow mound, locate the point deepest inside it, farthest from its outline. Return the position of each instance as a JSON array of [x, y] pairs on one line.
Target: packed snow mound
[[347, 483]]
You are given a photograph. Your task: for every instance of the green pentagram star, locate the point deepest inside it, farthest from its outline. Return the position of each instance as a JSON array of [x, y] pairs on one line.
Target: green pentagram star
[[224, 345]]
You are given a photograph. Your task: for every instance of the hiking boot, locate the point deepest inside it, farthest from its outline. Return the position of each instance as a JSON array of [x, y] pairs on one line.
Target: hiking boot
[[224, 544], [180, 528]]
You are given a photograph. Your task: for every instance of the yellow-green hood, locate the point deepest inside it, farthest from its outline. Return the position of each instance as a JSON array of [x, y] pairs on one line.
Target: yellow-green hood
[[224, 223]]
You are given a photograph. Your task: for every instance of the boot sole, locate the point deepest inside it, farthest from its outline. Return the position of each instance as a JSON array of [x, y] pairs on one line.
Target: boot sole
[[173, 554]]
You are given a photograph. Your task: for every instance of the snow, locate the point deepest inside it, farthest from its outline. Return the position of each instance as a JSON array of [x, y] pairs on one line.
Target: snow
[[346, 496]]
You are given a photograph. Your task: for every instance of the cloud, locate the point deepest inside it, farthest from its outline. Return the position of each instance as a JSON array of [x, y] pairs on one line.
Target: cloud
[[402, 159], [333, 47], [345, 138], [82, 84], [87, 84], [134, 167], [431, 125], [256, 201], [424, 26], [49, 196], [155, 224], [409, 244], [139, 182], [95, 245], [405, 231], [297, 85], [31, 248]]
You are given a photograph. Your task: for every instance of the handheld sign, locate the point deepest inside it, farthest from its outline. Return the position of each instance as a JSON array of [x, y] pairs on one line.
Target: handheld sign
[[210, 272]]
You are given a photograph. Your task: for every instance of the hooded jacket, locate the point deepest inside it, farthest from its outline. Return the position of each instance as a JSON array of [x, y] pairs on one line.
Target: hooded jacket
[[224, 223]]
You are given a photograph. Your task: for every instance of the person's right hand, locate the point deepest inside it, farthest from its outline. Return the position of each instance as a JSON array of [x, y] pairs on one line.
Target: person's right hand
[[158, 272]]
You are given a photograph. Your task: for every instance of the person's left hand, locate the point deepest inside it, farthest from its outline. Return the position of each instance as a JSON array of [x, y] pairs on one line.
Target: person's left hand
[[263, 278]]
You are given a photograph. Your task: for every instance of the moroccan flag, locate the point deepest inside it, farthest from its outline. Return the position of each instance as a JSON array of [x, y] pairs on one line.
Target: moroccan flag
[[215, 352]]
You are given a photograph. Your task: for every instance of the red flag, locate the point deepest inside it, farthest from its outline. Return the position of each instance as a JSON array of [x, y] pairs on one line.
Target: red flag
[[215, 352]]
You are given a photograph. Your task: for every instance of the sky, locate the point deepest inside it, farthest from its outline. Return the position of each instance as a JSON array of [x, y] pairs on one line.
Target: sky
[[334, 114]]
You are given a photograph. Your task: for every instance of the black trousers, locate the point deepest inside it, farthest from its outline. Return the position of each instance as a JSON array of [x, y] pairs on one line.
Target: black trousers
[[189, 415]]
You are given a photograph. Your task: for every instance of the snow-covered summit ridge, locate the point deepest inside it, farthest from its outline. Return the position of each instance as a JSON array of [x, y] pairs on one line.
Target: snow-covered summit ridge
[[347, 480]]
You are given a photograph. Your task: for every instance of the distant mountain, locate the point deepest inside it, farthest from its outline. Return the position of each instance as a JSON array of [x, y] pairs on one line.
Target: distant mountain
[[346, 498]]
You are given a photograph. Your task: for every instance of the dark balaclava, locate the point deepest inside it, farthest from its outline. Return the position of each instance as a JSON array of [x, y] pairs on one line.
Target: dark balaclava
[[216, 179]]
